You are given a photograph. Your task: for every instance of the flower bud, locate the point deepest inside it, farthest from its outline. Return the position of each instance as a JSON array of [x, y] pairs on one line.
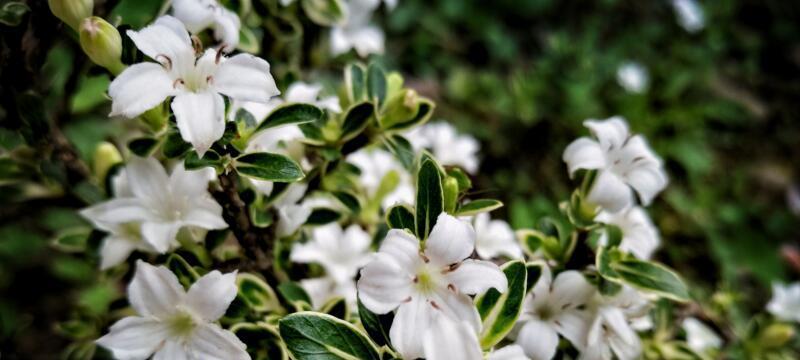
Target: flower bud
[[102, 43], [775, 335], [106, 156], [72, 12], [400, 108], [450, 189]]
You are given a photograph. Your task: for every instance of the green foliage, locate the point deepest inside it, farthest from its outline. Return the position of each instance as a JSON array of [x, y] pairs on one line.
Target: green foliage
[[268, 166], [430, 198], [499, 312], [311, 335]]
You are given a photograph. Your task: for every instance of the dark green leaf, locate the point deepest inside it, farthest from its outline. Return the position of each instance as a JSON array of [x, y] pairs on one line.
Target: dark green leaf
[[478, 206], [317, 336], [142, 147], [324, 12], [322, 216], [210, 158], [257, 294], [174, 146], [291, 114], [349, 200], [185, 272], [268, 166], [401, 149], [376, 84], [11, 13], [430, 198], [291, 292], [355, 79], [400, 217], [377, 326], [499, 312], [356, 120]]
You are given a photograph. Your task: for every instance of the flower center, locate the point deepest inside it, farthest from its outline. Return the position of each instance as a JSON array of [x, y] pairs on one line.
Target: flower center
[[545, 313], [182, 324], [131, 231], [427, 279]]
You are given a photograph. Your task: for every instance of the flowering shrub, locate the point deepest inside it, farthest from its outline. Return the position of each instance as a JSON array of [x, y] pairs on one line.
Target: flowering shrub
[[257, 208]]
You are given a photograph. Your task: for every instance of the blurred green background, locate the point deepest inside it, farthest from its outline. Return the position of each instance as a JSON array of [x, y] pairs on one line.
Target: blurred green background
[[721, 108]]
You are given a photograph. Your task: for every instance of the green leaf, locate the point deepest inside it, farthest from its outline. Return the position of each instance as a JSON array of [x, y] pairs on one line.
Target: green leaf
[[424, 113], [377, 326], [450, 190], [143, 147], [72, 239], [534, 270], [400, 217], [31, 110], [355, 80], [322, 216], [186, 274], [292, 293], [262, 339], [464, 183], [245, 120], [402, 149], [317, 336], [257, 294], [324, 12], [646, 276], [336, 307], [376, 84], [349, 200], [291, 114], [478, 206], [268, 166], [499, 312], [174, 146], [356, 120], [11, 12], [430, 198], [210, 158]]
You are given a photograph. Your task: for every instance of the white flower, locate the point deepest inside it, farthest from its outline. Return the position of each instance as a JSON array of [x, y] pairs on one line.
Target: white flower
[[154, 209], [174, 323], [447, 145], [612, 332], [340, 253], [426, 280], [199, 15], [785, 302], [448, 338], [553, 308], [509, 352], [632, 76], [495, 238], [690, 15], [375, 165], [357, 33], [639, 235], [197, 84], [292, 213], [699, 336], [622, 161]]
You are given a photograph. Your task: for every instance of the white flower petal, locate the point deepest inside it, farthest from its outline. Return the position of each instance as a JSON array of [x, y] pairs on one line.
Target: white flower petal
[[610, 192], [384, 284], [699, 336], [456, 306], [611, 132], [139, 88], [574, 326], [301, 92], [571, 290], [450, 339], [367, 40], [148, 179], [648, 182], [134, 337], [538, 339], [320, 290], [245, 77], [200, 118], [154, 291], [584, 153], [403, 247], [190, 182], [495, 238], [211, 295], [168, 37], [206, 214], [161, 235], [108, 215], [508, 352], [114, 251], [291, 217], [172, 350], [450, 241], [226, 28], [211, 342], [408, 328], [478, 276], [195, 14]]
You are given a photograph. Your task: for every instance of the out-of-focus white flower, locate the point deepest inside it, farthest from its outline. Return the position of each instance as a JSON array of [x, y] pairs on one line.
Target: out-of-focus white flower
[[153, 206], [196, 84], [553, 308], [375, 166], [448, 146], [340, 253], [622, 162], [495, 238], [632, 76], [699, 336], [426, 280], [612, 332], [639, 235], [357, 32], [509, 352], [173, 323], [690, 15], [199, 15], [785, 302], [292, 213]]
